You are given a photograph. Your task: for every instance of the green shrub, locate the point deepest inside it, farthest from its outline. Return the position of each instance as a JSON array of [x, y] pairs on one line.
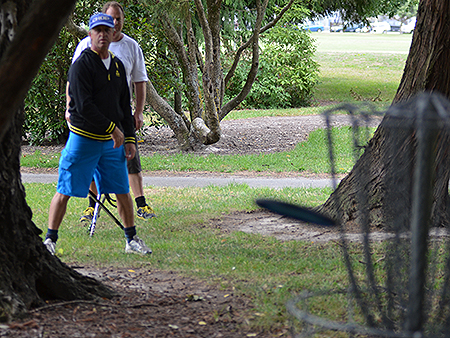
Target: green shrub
[[287, 72], [45, 103]]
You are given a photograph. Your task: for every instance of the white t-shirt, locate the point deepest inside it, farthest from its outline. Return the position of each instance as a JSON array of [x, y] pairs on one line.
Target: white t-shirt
[[128, 51], [107, 61]]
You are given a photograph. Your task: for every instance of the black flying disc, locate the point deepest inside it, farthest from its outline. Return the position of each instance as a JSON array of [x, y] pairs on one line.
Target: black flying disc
[[295, 211]]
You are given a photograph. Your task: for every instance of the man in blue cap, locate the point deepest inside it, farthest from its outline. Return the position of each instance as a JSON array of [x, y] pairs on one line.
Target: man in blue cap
[[101, 137], [130, 53]]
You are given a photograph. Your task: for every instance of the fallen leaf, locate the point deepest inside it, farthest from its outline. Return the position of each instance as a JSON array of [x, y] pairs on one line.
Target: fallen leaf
[[194, 298]]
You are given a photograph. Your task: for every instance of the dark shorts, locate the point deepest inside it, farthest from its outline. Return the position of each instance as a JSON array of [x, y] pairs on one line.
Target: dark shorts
[[83, 158], [134, 165]]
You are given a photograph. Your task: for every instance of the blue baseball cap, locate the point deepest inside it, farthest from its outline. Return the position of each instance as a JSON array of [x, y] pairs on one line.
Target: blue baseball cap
[[101, 19]]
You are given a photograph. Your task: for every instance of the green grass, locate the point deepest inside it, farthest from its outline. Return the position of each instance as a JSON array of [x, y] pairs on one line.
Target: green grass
[[40, 160], [359, 77], [251, 113], [363, 43], [185, 238], [360, 66], [177, 209]]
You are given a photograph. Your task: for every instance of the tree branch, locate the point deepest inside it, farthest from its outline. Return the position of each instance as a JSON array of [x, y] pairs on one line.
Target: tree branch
[[205, 28], [261, 9], [174, 120], [74, 29], [187, 62], [246, 44]]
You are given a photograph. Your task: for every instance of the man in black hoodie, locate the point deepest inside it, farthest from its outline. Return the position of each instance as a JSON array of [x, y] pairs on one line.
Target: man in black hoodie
[[101, 137]]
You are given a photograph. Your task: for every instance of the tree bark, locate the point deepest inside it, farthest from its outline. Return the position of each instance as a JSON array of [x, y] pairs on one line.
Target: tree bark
[[387, 163], [28, 273], [75, 30]]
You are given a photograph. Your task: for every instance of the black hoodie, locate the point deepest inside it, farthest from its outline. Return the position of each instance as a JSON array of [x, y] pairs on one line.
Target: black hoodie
[[99, 98]]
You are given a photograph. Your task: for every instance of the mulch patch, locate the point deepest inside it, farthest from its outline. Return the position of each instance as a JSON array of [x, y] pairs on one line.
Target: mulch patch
[[148, 304]]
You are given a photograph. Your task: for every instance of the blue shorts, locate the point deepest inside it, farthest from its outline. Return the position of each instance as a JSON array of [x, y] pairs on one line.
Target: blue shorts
[[83, 158]]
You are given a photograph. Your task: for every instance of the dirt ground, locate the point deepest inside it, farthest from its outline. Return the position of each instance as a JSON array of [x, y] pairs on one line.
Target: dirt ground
[[162, 303]]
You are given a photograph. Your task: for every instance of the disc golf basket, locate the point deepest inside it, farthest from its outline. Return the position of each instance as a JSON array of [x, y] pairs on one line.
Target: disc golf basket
[[398, 286]]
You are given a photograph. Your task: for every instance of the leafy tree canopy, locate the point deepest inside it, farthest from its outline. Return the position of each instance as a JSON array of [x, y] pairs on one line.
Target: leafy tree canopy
[[361, 10]]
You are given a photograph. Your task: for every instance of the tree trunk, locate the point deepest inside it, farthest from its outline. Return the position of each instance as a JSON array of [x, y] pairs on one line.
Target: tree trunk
[[28, 273], [175, 121], [387, 163]]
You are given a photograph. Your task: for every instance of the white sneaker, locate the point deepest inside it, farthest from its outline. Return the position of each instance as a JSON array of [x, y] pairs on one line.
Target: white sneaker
[[50, 245], [138, 246]]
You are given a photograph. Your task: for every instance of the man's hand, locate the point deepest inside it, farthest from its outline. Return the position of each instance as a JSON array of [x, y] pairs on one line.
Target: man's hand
[[130, 151], [67, 115], [138, 120], [118, 137], [140, 91]]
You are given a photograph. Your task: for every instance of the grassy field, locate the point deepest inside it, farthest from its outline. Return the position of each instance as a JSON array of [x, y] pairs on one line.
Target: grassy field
[[355, 66], [265, 269], [362, 43]]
